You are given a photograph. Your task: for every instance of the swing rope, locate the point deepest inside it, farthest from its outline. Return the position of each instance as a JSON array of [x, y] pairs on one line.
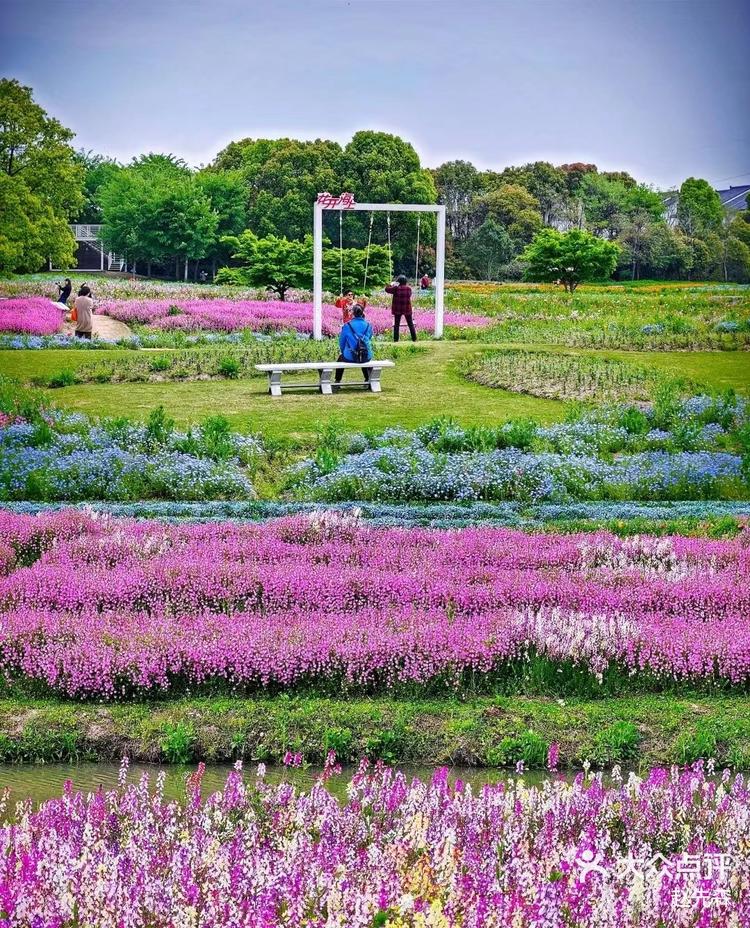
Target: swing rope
[[367, 256], [416, 262], [341, 252], [390, 255]]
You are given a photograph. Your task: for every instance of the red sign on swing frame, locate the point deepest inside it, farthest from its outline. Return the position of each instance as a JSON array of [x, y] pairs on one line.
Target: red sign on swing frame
[[329, 201]]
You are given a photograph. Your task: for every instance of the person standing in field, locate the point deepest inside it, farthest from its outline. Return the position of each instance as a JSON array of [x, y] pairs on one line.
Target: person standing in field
[[401, 306], [84, 311], [65, 289], [345, 303]]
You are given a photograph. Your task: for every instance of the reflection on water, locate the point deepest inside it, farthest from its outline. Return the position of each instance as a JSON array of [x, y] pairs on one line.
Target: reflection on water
[[45, 781]]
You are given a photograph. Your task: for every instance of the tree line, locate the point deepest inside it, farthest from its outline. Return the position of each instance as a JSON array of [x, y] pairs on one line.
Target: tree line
[[172, 220]]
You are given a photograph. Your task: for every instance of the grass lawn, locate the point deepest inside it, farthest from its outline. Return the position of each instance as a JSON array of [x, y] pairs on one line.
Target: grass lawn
[[419, 389], [491, 731]]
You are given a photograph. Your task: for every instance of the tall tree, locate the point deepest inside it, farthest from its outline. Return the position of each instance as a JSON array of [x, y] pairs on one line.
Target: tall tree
[[699, 209], [31, 233], [98, 169], [546, 183], [282, 178], [44, 179], [225, 191], [155, 211], [457, 183], [378, 167], [488, 249], [514, 208]]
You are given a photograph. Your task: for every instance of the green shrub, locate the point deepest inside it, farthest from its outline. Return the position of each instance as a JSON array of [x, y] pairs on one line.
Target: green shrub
[[616, 743], [63, 378], [161, 362], [159, 428], [178, 743], [702, 742], [340, 741], [230, 368]]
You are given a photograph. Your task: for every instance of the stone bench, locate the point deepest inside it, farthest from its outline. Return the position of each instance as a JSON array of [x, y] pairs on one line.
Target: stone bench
[[325, 371]]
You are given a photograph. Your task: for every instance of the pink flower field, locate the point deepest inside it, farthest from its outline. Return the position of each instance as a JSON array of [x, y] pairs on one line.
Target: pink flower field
[[30, 315], [95, 606], [668, 850], [259, 315]]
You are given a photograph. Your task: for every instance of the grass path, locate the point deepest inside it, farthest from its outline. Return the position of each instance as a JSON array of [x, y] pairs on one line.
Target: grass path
[[417, 390]]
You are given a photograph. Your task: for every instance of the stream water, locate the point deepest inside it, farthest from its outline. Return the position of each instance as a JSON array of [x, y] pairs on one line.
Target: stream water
[[40, 782]]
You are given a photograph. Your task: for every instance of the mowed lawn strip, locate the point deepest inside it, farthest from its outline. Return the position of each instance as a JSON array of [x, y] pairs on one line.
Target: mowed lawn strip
[[417, 390]]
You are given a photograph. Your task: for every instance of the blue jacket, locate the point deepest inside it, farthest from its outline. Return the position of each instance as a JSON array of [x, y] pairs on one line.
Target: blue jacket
[[348, 338]]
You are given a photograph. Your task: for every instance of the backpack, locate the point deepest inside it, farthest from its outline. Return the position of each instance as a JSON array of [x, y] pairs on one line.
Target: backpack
[[360, 351]]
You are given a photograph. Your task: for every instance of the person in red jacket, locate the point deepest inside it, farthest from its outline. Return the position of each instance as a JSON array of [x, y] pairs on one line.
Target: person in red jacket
[[401, 306], [345, 303]]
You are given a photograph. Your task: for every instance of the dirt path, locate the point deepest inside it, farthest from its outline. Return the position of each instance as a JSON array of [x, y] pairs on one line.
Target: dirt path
[[104, 327]]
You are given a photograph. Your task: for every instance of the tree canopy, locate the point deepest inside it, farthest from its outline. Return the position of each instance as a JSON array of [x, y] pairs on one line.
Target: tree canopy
[[42, 183], [569, 257]]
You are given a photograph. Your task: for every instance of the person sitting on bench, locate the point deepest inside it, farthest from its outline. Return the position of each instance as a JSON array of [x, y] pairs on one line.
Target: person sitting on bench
[[355, 342], [401, 306]]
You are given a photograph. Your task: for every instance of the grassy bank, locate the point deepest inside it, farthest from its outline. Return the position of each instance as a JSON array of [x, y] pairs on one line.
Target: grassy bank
[[490, 732]]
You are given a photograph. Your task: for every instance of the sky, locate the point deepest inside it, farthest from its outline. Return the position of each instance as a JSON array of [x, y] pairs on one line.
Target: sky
[[660, 88]]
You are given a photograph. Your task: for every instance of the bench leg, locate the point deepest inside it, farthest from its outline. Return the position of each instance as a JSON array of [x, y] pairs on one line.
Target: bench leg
[[375, 379], [274, 383], [325, 381]]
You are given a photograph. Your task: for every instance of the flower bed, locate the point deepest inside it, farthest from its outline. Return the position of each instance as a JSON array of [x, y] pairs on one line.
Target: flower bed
[[699, 518], [264, 315], [562, 376], [669, 849], [417, 474], [30, 315], [676, 449], [69, 457], [93, 606]]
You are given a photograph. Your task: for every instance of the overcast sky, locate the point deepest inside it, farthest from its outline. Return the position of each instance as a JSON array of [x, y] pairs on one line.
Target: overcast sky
[[657, 87]]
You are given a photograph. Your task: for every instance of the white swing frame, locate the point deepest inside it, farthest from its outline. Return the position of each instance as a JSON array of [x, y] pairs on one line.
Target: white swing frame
[[439, 282]]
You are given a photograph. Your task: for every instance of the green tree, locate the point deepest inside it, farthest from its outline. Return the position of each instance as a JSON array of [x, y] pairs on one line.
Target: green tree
[[635, 241], [225, 191], [282, 178], [699, 209], [740, 226], [279, 264], [513, 207], [32, 233], [575, 173], [44, 181], [98, 170], [378, 167], [488, 249], [272, 262], [155, 211], [546, 183], [669, 254], [569, 257], [610, 203], [458, 183]]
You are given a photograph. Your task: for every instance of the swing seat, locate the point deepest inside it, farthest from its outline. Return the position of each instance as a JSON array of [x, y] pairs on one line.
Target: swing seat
[[325, 371]]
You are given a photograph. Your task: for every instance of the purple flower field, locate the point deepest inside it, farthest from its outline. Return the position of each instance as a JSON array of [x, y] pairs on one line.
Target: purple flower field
[[666, 850], [259, 315], [100, 607], [31, 315]]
